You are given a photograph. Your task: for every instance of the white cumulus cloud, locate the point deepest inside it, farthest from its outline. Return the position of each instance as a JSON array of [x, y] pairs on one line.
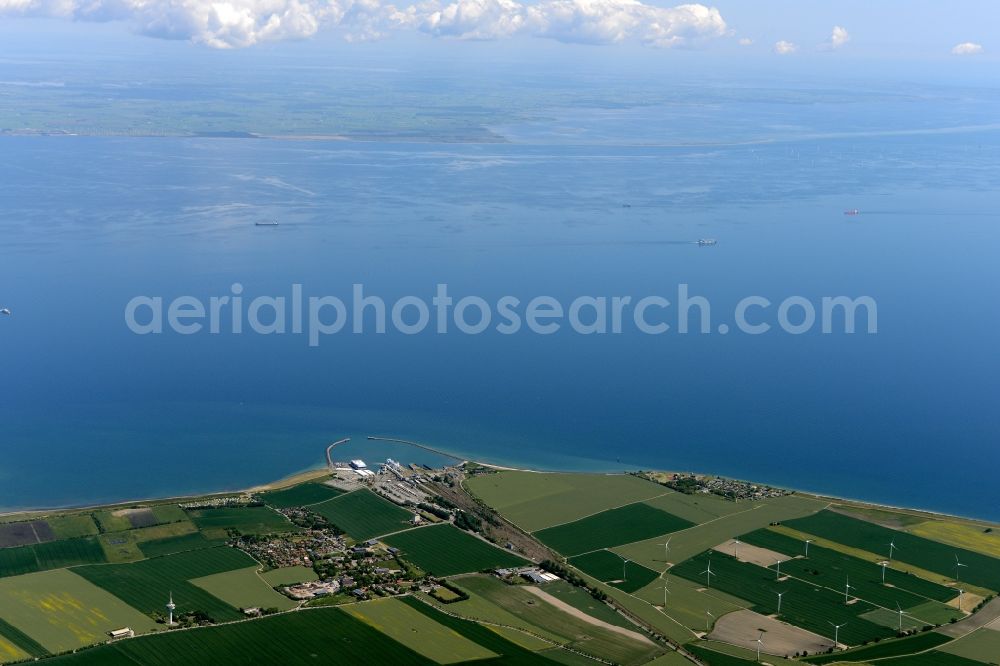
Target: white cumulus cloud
[[240, 23], [838, 37], [967, 48], [745, 41], [785, 48]]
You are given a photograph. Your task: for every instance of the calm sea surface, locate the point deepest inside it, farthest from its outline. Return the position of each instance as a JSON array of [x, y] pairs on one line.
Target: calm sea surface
[[90, 412]]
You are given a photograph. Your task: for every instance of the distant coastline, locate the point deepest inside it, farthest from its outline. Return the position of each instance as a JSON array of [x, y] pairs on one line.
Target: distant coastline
[[320, 470]]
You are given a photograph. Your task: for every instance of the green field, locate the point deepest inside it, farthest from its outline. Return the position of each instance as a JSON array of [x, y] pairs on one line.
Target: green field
[[417, 631], [289, 576], [713, 658], [176, 544], [72, 526], [566, 629], [982, 645], [534, 500], [364, 515], [804, 605], [829, 568], [527, 641], [687, 603], [699, 508], [924, 641], [62, 611], [981, 570], [581, 599], [445, 550], [50, 555], [587, 638], [146, 585], [110, 522], [119, 520], [610, 568], [480, 607], [749, 517], [964, 535], [320, 636], [125, 546], [614, 527], [16, 645], [867, 572], [245, 520], [300, 495], [243, 588], [933, 658], [725, 650]]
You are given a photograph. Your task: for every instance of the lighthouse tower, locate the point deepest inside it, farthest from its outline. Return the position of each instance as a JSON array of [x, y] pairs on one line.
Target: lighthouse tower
[[171, 606]]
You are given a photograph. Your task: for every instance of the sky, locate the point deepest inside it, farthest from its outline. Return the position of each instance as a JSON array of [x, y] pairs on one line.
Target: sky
[[903, 30]]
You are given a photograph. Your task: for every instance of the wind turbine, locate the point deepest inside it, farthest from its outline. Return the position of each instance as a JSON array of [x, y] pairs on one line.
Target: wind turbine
[[624, 564], [883, 564], [760, 643], [666, 549], [958, 567], [847, 590], [808, 541], [961, 598], [708, 573], [899, 609], [666, 591], [836, 632], [736, 547], [780, 595], [777, 575], [708, 619], [892, 547]]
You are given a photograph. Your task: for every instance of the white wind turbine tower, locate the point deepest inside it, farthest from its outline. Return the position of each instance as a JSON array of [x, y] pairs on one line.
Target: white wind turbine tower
[[760, 644], [961, 599], [899, 609], [847, 590], [708, 619], [171, 607], [708, 574], [958, 567], [836, 632], [780, 595], [666, 549], [666, 591], [808, 541], [883, 564], [892, 548], [736, 547], [777, 575], [624, 565]]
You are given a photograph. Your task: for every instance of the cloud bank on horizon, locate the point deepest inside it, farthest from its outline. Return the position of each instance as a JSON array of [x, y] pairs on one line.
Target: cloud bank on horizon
[[242, 23]]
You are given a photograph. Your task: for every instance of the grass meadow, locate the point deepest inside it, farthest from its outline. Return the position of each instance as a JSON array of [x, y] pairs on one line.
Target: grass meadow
[[445, 550]]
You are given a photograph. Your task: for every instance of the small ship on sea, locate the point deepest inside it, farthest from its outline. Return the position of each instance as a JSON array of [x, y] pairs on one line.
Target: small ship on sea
[[852, 212], [5, 311], [267, 223], [706, 241]]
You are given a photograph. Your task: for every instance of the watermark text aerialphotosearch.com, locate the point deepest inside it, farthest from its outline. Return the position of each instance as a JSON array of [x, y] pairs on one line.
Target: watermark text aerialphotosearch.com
[[319, 316]]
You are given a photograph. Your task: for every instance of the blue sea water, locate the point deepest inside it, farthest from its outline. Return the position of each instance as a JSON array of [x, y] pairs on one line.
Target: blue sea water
[[90, 412]]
